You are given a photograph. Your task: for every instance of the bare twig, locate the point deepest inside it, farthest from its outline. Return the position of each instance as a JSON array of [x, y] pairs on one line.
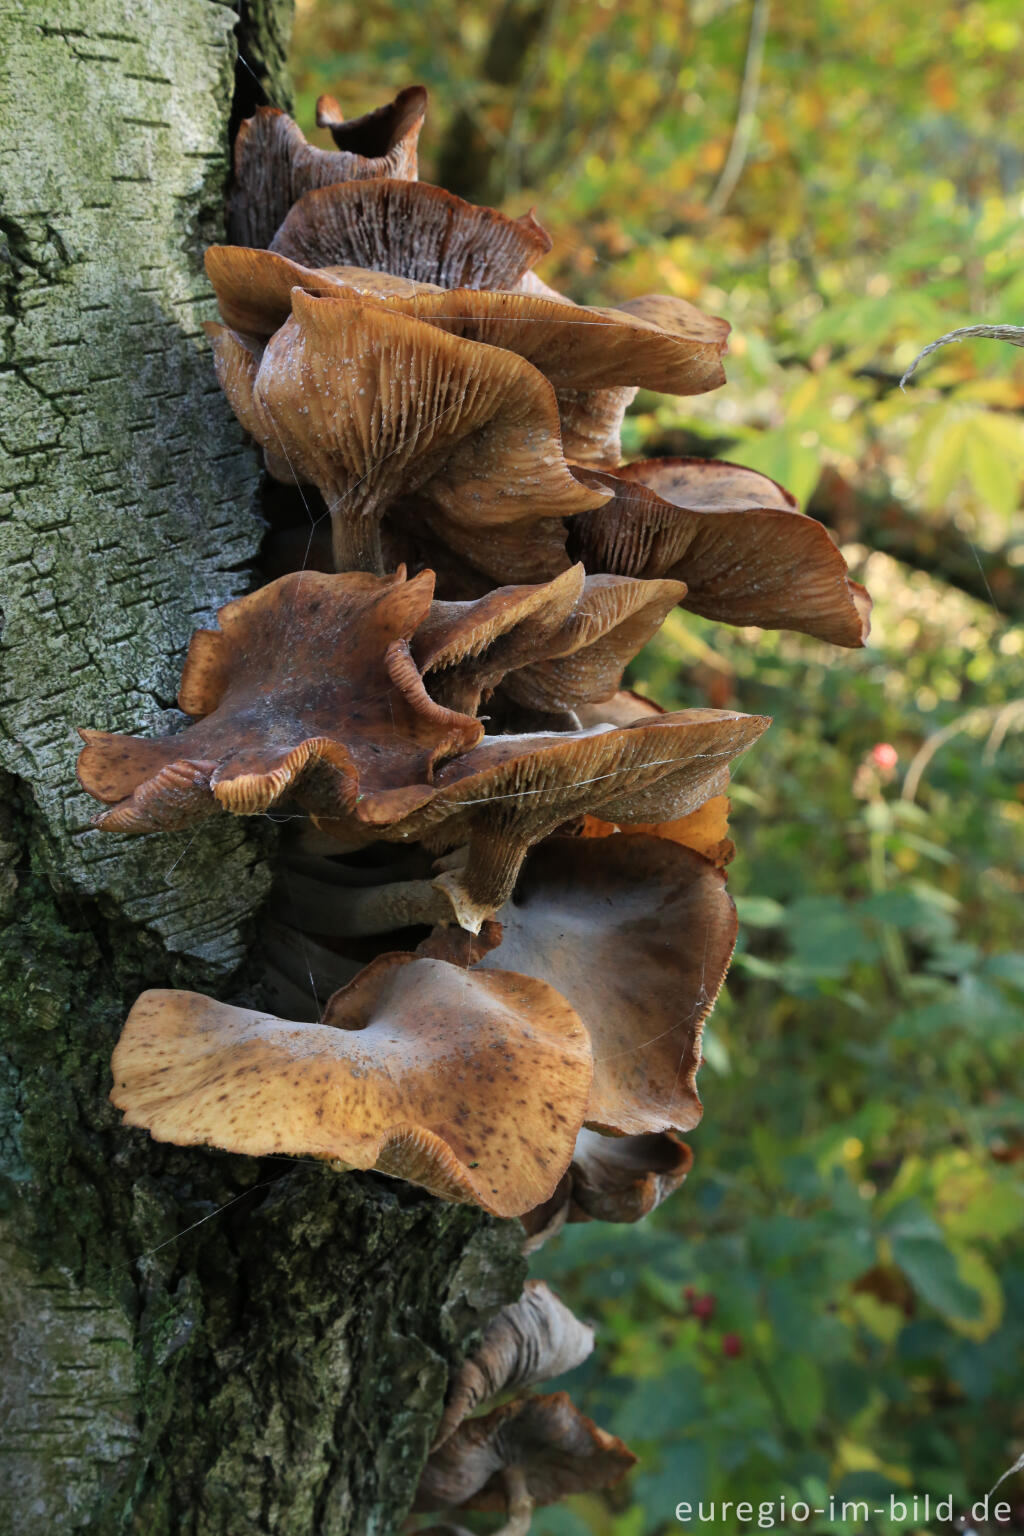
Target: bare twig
[[1014, 334], [746, 111]]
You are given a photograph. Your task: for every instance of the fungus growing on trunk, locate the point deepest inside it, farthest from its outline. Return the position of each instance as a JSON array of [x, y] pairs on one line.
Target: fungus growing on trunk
[[624, 1178], [413, 230], [637, 934], [274, 165], [372, 406], [473, 1086], [747, 555], [306, 689], [534, 1450], [533, 1340]]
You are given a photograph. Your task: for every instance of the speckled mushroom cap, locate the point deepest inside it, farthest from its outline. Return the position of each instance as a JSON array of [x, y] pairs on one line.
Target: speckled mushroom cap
[[530, 1341], [473, 1086], [637, 934], [307, 688], [274, 165], [556, 1449], [413, 230], [747, 555], [371, 406]]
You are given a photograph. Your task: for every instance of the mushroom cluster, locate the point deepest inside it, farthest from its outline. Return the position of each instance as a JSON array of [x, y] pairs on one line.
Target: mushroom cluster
[[500, 918]]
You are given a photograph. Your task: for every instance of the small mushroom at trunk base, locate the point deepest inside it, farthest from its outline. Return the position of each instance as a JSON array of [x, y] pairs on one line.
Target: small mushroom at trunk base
[[534, 1450]]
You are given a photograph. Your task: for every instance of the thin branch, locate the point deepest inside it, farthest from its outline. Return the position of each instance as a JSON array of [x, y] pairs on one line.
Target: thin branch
[[746, 112], [1014, 334]]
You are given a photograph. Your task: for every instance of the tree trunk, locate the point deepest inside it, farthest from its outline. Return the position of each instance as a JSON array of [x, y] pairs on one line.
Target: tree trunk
[[191, 1342]]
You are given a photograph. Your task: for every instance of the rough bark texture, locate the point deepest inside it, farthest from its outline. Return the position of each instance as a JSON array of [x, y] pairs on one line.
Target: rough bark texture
[[278, 1367]]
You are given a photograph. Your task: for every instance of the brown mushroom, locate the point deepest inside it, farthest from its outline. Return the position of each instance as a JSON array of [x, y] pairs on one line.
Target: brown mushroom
[[307, 689], [465, 649], [624, 1178], [636, 933], [274, 165], [371, 406], [510, 792], [387, 133], [413, 230], [532, 1340], [534, 1450], [734, 536], [592, 425], [705, 830], [473, 1086], [613, 620], [577, 348]]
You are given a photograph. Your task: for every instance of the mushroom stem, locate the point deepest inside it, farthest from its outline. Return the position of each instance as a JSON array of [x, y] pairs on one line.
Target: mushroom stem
[[518, 1503], [488, 878], [355, 539], [355, 912]]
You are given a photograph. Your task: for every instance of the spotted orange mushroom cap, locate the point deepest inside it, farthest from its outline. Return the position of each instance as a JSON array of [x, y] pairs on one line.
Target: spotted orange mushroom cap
[[274, 165], [747, 555], [307, 688], [472, 1086], [412, 230], [372, 406]]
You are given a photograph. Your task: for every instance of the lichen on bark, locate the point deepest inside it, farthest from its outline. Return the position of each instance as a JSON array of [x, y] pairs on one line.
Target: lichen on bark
[[192, 1342]]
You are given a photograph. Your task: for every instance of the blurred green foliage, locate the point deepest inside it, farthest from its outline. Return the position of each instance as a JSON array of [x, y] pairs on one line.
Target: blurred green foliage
[[856, 1211]]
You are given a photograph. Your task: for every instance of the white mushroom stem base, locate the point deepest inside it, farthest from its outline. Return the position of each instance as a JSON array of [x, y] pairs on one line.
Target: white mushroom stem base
[[519, 1503]]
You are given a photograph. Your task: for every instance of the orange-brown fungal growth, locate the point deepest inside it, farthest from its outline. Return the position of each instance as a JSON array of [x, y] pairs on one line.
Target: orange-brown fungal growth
[[534, 1450], [372, 406], [306, 689], [274, 165], [512, 791], [473, 1086], [530, 1341], [412, 230], [747, 555]]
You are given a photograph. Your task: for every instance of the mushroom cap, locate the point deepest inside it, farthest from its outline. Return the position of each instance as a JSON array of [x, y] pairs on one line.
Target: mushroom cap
[[637, 933], [614, 619], [473, 1086], [705, 830], [413, 230], [624, 1178], [274, 165], [510, 792], [532, 1340], [747, 555], [375, 134], [464, 649], [558, 1450], [573, 346], [371, 405], [306, 688]]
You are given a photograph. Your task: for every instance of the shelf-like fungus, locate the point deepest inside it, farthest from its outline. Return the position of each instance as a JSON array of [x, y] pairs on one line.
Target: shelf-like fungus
[[472, 1085], [747, 555], [274, 165], [306, 689]]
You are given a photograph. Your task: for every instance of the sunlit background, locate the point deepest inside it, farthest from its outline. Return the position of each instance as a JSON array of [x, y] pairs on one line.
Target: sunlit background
[[834, 1304]]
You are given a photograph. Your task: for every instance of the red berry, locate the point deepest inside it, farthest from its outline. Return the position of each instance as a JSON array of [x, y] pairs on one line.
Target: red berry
[[884, 756], [732, 1345], [703, 1307]]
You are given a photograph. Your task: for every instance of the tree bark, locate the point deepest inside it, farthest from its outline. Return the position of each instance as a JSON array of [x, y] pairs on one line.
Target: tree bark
[[190, 1342]]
